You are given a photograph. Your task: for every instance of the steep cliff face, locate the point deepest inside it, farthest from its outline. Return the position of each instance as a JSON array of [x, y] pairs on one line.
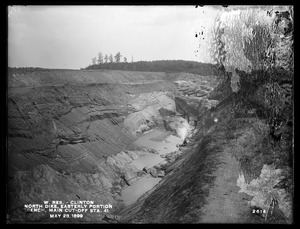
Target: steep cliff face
[[68, 133]]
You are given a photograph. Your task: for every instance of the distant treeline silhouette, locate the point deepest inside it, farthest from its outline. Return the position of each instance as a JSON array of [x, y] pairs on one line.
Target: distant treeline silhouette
[[161, 66], [169, 66]]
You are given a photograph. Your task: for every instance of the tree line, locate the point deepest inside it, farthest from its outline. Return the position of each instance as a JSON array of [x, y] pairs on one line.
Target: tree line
[[158, 66], [100, 59]]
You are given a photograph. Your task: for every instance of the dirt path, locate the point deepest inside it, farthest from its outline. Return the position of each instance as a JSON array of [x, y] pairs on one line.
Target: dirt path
[[225, 204]]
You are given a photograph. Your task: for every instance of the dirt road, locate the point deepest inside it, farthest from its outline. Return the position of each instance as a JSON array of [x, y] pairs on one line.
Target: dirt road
[[225, 203]]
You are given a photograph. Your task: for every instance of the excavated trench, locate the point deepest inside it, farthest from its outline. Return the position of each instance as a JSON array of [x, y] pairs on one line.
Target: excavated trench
[[102, 136], [162, 144]]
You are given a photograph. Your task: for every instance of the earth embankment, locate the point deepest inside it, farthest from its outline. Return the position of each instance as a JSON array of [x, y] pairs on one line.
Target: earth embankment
[[68, 132]]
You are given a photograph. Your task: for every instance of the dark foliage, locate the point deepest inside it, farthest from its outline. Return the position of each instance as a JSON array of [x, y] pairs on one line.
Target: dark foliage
[[161, 66]]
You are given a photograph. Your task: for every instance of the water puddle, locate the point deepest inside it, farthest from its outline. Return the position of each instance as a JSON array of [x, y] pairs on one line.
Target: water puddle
[[161, 141], [135, 191], [148, 160]]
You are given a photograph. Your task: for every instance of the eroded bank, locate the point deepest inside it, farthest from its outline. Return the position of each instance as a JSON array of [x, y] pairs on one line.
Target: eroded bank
[[70, 133]]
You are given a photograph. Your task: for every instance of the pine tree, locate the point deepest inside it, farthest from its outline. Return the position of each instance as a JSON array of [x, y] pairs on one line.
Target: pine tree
[[118, 57]]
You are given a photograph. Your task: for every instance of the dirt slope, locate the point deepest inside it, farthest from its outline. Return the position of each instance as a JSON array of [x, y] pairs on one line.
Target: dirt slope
[[68, 132], [227, 170]]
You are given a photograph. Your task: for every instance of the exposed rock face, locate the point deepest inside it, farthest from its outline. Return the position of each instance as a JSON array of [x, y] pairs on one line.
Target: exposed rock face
[[147, 106], [196, 86], [192, 99]]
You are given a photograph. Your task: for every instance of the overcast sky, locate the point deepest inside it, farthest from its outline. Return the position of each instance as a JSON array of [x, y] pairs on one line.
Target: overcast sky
[[70, 36]]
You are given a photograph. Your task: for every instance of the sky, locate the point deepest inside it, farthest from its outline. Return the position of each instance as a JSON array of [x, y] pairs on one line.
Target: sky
[[69, 37]]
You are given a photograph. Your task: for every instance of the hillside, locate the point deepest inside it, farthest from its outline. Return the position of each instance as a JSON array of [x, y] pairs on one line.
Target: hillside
[[69, 131], [230, 170]]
